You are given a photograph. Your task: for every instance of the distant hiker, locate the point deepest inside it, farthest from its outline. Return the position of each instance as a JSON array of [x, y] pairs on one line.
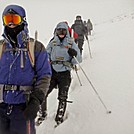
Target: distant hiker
[[61, 51], [24, 74], [71, 31], [79, 28], [86, 30], [89, 26]]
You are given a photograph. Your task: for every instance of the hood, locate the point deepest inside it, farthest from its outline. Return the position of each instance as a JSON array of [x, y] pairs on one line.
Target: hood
[[13, 33], [64, 26], [18, 9]]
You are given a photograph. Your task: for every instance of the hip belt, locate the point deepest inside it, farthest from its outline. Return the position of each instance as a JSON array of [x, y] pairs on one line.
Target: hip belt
[[65, 63], [15, 87]]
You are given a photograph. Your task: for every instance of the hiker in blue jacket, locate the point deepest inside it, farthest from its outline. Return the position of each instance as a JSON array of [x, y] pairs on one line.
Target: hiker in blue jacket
[[61, 50], [24, 76]]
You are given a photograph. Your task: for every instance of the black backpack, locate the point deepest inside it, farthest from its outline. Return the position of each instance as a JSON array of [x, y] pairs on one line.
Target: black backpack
[[78, 28]]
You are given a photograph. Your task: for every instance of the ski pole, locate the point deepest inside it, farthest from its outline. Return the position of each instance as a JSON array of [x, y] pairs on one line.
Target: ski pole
[[89, 47], [75, 68], [36, 35], [108, 111], [28, 127]]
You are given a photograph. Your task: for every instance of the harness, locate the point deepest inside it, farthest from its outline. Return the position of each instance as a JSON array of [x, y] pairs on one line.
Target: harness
[[29, 49], [65, 63], [15, 87]]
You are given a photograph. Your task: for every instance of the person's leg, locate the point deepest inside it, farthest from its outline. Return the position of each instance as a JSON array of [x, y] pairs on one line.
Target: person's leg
[[4, 120], [43, 108], [44, 104], [80, 45], [64, 83], [18, 123]]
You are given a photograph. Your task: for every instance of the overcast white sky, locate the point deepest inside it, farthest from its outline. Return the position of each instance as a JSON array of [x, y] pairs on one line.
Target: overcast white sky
[[43, 15], [111, 70]]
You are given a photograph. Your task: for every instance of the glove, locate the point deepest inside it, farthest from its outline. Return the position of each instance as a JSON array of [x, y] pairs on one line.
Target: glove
[[32, 108], [72, 52]]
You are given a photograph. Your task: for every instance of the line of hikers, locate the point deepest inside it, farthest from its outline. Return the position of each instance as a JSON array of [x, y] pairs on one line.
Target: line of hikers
[[29, 71]]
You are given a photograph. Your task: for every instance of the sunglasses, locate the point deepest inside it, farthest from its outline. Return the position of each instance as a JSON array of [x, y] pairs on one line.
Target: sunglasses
[[61, 31], [12, 18]]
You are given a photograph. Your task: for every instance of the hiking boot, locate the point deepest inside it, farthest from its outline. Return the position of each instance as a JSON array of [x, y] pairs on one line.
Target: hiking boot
[[59, 119], [41, 118], [43, 114], [60, 112]]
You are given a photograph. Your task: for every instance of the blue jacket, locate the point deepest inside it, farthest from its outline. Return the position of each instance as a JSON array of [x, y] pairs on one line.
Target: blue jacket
[[11, 72], [58, 51]]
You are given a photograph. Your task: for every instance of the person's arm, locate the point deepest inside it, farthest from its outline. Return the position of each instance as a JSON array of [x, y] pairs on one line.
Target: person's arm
[[42, 68], [42, 82], [75, 51]]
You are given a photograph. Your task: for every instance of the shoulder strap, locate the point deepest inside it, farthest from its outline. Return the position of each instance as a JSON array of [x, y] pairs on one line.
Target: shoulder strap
[[2, 42], [53, 42], [31, 46]]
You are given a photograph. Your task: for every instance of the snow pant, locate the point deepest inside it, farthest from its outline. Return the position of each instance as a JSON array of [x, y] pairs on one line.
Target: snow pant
[[80, 42], [12, 120], [89, 31], [60, 80]]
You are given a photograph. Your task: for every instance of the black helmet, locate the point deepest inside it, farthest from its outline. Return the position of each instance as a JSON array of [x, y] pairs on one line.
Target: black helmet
[[78, 17]]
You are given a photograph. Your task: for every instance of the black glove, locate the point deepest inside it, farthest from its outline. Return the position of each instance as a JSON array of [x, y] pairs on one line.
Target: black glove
[[31, 109], [72, 52]]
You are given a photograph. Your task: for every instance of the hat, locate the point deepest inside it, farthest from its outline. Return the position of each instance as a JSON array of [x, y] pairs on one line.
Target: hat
[[62, 25], [78, 16]]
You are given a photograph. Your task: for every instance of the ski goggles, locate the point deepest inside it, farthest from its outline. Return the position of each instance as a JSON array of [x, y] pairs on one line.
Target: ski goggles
[[61, 31], [12, 19]]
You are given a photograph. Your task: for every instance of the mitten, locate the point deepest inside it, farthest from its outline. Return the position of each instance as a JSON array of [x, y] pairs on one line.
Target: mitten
[[31, 109], [72, 52]]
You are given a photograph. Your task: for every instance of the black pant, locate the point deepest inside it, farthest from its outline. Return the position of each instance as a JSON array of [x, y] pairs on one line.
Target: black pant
[[60, 80], [80, 43], [12, 120]]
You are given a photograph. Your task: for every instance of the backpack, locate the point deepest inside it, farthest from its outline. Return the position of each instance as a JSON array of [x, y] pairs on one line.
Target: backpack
[[78, 28], [30, 49]]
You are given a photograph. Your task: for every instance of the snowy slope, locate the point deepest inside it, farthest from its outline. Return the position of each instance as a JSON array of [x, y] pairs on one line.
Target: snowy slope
[[111, 70]]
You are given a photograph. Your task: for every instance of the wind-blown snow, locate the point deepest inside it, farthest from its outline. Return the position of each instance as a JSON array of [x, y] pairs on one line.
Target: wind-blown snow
[[111, 70]]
